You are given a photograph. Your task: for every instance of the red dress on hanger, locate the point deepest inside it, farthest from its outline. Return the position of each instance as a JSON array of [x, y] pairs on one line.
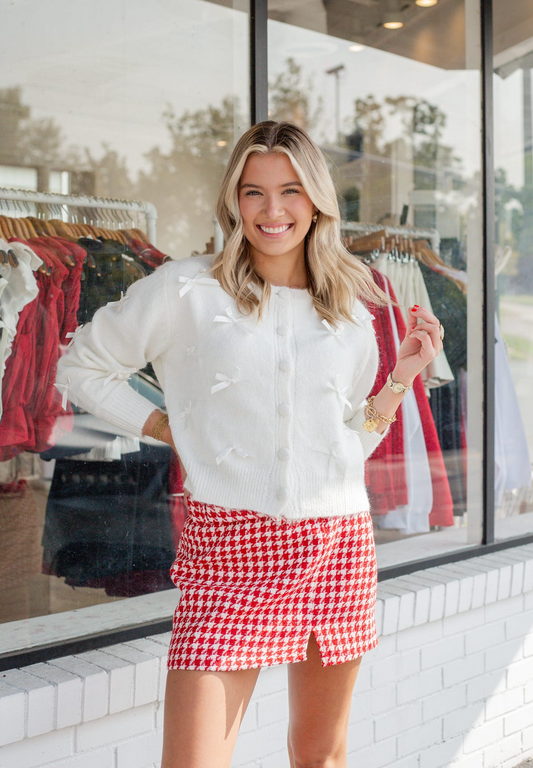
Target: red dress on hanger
[[385, 468], [46, 399], [31, 401]]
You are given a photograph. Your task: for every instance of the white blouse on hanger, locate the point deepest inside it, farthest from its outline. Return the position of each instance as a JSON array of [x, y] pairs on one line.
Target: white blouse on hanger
[[20, 289], [410, 288]]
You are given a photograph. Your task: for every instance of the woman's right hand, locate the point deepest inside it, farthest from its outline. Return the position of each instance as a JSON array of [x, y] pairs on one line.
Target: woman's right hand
[[168, 439]]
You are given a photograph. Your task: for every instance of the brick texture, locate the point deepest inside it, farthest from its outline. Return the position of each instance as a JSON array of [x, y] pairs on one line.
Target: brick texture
[[450, 685]]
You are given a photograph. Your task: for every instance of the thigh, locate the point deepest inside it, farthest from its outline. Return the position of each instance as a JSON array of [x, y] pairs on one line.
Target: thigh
[[203, 712], [319, 707]]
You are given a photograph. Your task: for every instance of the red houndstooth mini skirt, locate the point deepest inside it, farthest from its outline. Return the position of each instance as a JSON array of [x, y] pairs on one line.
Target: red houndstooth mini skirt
[[253, 588]]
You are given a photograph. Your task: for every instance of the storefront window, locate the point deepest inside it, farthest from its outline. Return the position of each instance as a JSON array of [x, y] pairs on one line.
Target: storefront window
[[117, 102], [393, 99], [513, 147]]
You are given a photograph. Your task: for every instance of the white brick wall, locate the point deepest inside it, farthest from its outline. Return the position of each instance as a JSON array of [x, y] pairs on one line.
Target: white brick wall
[[449, 685]]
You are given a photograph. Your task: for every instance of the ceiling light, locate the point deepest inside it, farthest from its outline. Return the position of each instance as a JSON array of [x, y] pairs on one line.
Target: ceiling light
[[356, 48], [391, 13], [221, 143], [391, 21], [426, 3]]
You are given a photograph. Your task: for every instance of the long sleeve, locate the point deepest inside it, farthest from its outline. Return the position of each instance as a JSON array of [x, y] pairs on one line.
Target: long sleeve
[[361, 389], [121, 339]]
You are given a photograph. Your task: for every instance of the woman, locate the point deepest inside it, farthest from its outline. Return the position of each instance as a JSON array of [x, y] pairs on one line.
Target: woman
[[266, 355]]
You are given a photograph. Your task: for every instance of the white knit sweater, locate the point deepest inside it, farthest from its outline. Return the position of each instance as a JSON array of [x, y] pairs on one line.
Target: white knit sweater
[[265, 416]]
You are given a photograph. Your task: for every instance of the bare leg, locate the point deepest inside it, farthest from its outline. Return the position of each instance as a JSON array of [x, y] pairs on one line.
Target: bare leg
[[319, 709], [203, 712]]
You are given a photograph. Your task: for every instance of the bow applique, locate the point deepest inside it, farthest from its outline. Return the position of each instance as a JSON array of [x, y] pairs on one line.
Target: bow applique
[[336, 459], [335, 331], [335, 386], [191, 281], [241, 453], [120, 303], [366, 318], [229, 317], [72, 335], [64, 389], [190, 351], [184, 414], [120, 375], [225, 381]]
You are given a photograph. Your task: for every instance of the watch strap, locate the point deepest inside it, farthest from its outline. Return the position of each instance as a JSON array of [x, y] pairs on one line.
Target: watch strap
[[397, 387]]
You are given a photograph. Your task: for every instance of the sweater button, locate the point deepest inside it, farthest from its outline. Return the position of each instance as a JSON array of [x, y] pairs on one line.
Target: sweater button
[[285, 365], [282, 330], [284, 409], [284, 293], [284, 454], [282, 494]]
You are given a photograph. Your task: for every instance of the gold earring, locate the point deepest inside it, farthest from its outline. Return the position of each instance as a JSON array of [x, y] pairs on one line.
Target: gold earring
[[315, 217]]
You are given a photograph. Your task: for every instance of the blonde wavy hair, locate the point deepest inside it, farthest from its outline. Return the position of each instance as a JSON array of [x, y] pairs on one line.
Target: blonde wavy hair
[[335, 277]]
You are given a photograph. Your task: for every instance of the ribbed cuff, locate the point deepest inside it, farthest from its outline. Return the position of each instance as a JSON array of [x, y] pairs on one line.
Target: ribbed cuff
[[369, 440], [127, 409]]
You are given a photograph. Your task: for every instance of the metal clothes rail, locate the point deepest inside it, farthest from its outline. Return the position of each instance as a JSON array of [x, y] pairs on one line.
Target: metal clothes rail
[[64, 203], [413, 232]]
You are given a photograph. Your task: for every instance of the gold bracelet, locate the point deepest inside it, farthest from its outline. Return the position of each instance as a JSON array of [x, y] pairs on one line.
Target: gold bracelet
[[160, 426], [373, 417]]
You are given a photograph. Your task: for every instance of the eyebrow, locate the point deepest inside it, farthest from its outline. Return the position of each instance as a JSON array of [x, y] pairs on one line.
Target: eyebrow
[[288, 184]]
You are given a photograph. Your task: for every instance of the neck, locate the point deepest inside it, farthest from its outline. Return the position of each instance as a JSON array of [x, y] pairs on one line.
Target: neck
[[284, 270]]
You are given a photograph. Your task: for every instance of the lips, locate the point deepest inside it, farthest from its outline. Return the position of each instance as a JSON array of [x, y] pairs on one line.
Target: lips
[[278, 231]]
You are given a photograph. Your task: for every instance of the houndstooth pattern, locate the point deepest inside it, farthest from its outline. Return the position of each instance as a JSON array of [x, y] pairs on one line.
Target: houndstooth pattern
[[254, 587]]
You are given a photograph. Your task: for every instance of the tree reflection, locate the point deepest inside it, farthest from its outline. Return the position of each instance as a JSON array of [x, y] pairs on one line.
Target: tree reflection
[[183, 180]]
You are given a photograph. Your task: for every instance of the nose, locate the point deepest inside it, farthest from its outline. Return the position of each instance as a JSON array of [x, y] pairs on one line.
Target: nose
[[274, 207]]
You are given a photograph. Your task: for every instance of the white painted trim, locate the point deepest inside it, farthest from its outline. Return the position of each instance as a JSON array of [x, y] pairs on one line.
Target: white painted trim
[[125, 675]]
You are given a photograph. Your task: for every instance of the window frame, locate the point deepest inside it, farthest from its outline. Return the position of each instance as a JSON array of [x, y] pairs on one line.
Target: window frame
[[258, 20]]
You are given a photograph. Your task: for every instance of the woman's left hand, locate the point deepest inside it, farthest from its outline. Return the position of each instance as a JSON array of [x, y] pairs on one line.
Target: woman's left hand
[[421, 345]]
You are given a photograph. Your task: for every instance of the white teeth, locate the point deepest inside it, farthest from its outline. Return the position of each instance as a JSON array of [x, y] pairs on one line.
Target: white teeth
[[275, 230]]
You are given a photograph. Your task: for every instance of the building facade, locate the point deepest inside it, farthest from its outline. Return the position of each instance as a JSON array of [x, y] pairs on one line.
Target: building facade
[[117, 122]]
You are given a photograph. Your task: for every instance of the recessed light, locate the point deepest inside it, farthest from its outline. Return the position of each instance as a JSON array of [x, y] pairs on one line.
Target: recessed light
[[356, 48], [221, 143], [426, 3], [392, 13]]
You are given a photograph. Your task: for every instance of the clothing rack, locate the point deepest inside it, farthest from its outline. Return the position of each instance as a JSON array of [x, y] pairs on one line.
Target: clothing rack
[[64, 204], [413, 232]]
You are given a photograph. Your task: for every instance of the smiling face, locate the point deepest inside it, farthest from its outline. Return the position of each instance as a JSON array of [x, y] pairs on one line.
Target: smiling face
[[276, 210]]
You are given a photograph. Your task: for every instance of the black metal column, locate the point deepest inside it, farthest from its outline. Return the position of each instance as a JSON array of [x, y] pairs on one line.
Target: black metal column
[[258, 61], [489, 281]]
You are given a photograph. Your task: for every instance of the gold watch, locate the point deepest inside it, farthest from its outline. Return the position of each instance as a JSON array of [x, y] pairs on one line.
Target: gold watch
[[397, 388]]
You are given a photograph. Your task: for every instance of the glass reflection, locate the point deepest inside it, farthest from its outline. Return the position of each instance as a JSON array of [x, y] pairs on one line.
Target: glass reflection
[[513, 145], [397, 112], [142, 102]]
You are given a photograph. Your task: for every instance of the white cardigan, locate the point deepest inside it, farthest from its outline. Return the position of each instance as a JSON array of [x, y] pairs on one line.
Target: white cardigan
[[265, 416]]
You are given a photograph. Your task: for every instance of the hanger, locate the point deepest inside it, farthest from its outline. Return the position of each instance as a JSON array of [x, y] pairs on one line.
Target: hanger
[[138, 234], [29, 227], [12, 256], [7, 229], [364, 243], [62, 229]]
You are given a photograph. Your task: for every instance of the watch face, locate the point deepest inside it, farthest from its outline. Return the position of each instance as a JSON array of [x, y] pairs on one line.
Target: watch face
[[397, 389]]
